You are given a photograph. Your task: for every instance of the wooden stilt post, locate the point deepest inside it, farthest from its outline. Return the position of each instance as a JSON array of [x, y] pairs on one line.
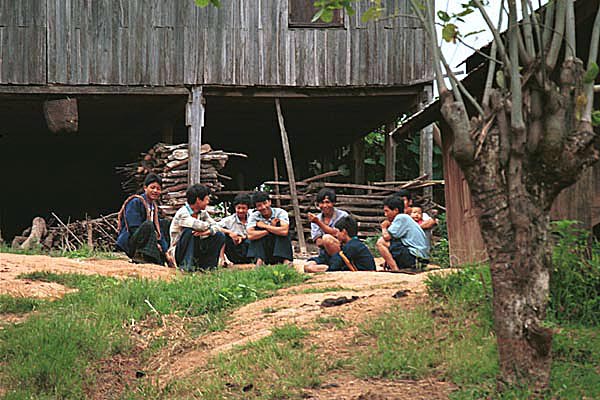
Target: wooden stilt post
[[166, 131], [276, 173], [358, 154], [291, 178], [194, 119], [390, 153], [426, 150]]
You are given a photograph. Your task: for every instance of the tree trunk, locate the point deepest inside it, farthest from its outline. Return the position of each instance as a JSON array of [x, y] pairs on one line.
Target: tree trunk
[[520, 263]]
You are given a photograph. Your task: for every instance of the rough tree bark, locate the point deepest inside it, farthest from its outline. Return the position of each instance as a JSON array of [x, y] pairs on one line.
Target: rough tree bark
[[514, 175]]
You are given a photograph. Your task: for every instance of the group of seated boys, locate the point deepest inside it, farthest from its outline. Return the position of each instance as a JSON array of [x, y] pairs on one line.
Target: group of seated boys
[[259, 233]]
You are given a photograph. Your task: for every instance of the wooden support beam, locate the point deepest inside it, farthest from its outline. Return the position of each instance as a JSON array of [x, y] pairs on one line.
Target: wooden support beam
[[390, 152], [276, 174], [291, 177], [166, 131], [312, 92], [194, 119], [95, 90], [426, 150]]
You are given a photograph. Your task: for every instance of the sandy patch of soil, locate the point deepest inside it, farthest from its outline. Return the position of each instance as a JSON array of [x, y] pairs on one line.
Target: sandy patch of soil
[[13, 265]]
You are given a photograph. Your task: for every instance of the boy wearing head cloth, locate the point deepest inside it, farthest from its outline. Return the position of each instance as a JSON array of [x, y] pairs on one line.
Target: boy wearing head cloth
[[142, 235]]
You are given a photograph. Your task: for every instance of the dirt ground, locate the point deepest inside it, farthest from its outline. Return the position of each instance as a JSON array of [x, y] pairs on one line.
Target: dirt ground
[[13, 265], [299, 305]]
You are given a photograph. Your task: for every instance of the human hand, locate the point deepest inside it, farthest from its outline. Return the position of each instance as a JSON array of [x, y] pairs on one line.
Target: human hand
[[385, 224], [237, 239], [275, 222], [205, 233], [312, 218], [261, 225]]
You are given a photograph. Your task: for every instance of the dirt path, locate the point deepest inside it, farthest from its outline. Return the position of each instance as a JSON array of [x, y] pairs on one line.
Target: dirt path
[[300, 305], [13, 265]]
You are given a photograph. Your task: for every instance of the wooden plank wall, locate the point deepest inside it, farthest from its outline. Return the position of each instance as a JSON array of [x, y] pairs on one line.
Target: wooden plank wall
[[245, 42], [22, 41], [579, 202], [464, 234]]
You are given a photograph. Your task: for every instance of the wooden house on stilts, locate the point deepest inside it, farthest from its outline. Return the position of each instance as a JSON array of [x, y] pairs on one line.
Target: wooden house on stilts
[[135, 72]]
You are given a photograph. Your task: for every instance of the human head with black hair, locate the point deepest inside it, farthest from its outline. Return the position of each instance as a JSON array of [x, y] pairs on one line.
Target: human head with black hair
[[242, 203], [262, 203], [198, 197], [392, 206], [406, 197], [326, 201], [416, 213], [347, 229], [152, 187]]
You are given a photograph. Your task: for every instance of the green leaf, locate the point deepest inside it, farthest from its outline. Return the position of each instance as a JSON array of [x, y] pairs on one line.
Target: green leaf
[[500, 79], [443, 15], [466, 12], [591, 73], [449, 32], [371, 14], [474, 33], [327, 15], [202, 3], [317, 16], [596, 118]]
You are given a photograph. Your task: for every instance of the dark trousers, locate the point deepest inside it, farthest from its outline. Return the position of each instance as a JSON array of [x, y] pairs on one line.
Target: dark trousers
[[402, 255], [193, 253], [272, 249], [237, 254], [143, 245]]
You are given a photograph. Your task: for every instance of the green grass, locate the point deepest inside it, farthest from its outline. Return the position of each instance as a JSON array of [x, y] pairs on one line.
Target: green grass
[[18, 305], [50, 354], [337, 322], [451, 338], [276, 367], [82, 252]]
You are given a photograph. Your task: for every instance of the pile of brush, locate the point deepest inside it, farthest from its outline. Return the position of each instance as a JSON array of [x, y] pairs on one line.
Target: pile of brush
[[170, 162]]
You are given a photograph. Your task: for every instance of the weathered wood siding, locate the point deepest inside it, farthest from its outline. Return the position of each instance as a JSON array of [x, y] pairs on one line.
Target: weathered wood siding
[[245, 42], [22, 41]]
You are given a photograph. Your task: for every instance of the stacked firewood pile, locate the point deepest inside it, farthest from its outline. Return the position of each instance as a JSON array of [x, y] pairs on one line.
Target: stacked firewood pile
[[100, 233], [170, 162], [363, 202]]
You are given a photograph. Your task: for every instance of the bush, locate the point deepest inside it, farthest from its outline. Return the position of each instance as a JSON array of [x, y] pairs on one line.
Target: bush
[[575, 280], [440, 249]]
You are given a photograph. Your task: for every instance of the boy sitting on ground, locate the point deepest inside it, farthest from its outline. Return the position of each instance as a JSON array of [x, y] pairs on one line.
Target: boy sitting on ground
[[403, 243], [236, 235], [268, 232], [196, 240], [142, 235], [353, 255], [324, 222]]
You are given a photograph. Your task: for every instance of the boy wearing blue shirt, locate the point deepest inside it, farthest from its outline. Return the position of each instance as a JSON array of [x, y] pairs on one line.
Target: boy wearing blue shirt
[[403, 243], [353, 255]]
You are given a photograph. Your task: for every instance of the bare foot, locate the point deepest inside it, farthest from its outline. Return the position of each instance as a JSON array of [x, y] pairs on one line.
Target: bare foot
[[170, 260]]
